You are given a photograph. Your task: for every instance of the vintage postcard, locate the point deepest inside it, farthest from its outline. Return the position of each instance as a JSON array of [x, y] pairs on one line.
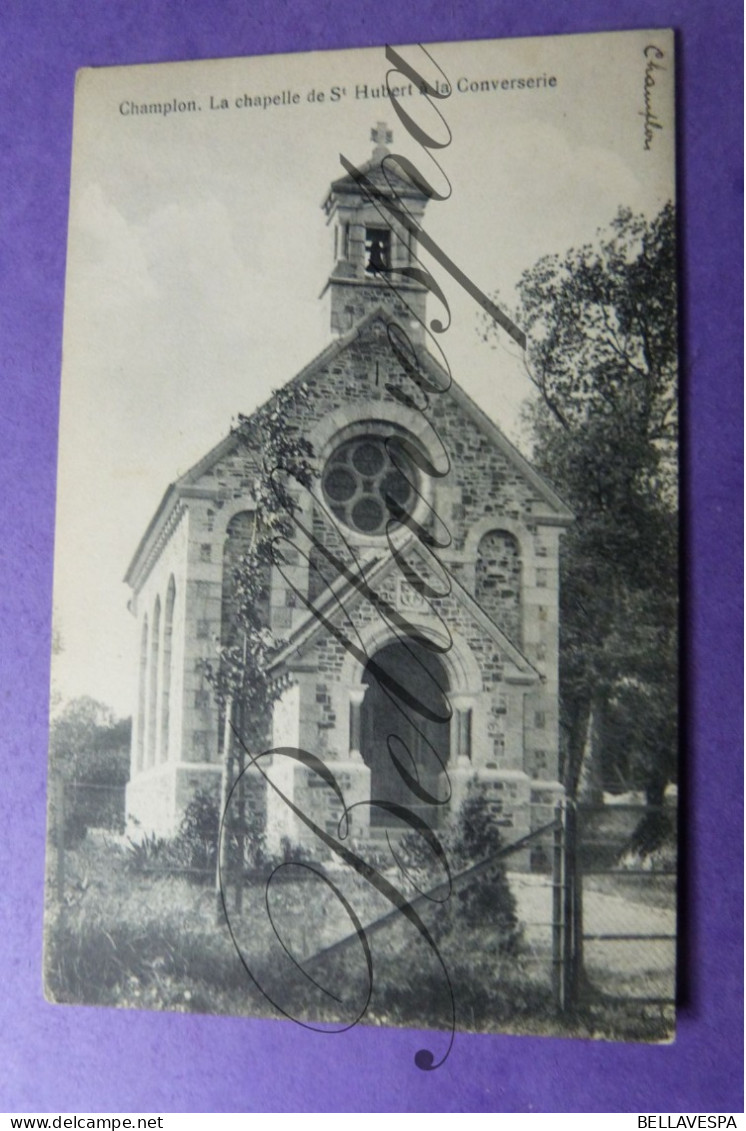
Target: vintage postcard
[[364, 693]]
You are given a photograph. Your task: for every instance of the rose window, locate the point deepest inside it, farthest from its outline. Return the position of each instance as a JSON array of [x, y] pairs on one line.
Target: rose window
[[363, 487]]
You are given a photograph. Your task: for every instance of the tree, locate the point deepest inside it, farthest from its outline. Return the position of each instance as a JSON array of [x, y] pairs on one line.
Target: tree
[[88, 743], [602, 337], [241, 676], [89, 750], [242, 679]]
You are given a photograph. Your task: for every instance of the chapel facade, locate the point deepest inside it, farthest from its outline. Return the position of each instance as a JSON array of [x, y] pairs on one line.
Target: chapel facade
[[415, 617]]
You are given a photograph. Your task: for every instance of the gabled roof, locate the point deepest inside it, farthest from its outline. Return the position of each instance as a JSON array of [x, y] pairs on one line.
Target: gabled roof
[[179, 489], [389, 182], [344, 594], [186, 485], [563, 515]]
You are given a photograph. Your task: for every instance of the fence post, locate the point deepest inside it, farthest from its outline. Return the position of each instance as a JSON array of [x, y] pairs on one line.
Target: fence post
[[572, 909], [576, 965], [222, 860], [557, 908], [241, 807], [60, 838]]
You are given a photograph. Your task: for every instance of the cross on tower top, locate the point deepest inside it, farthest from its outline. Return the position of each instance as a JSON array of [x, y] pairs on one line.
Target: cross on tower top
[[382, 136], [373, 250]]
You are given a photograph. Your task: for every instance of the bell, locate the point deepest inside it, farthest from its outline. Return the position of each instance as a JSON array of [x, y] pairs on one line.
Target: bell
[[377, 262]]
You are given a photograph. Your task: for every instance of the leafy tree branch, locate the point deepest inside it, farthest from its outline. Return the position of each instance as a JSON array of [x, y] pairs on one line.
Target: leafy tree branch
[[602, 355]]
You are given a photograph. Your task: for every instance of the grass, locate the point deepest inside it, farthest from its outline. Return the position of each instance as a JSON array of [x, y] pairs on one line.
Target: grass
[[137, 942], [152, 942], [646, 888]]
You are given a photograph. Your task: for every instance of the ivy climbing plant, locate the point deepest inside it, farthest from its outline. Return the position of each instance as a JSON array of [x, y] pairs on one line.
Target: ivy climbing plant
[[241, 676]]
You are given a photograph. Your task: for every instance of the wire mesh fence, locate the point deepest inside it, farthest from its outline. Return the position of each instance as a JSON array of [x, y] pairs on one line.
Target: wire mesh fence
[[624, 865], [85, 805], [594, 891]]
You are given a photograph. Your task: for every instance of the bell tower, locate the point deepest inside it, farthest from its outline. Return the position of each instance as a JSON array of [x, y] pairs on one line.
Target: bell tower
[[371, 252]]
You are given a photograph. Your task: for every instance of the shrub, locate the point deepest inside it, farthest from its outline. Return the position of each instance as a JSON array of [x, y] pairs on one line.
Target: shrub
[[480, 901], [153, 852], [195, 846], [197, 840]]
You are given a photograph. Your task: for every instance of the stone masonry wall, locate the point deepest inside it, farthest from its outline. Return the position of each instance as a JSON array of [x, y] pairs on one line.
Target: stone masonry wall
[[483, 486], [498, 581]]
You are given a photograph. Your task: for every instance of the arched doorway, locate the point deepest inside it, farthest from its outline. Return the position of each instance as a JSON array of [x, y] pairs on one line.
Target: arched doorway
[[391, 726]]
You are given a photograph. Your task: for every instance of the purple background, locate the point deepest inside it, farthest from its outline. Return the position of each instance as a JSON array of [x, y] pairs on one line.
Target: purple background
[[69, 1059]]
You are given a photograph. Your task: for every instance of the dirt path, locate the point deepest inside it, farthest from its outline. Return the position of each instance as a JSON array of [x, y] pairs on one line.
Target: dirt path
[[638, 968]]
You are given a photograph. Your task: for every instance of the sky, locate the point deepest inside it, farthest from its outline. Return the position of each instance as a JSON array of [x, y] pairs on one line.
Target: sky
[[198, 249]]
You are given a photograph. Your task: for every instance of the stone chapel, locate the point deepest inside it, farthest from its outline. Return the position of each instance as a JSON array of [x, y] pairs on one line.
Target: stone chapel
[[488, 592]]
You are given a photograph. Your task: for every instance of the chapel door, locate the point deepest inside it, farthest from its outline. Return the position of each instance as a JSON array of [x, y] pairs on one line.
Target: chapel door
[[391, 726]]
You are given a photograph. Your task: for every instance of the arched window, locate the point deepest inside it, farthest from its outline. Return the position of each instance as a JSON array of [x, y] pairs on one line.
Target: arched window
[[239, 540], [377, 251], [168, 627], [141, 685], [153, 683], [498, 581]]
